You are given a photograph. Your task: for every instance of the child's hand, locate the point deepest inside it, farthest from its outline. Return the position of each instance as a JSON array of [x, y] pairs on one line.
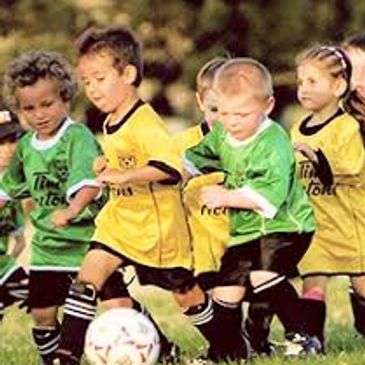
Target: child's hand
[[61, 217], [306, 151], [213, 196], [99, 165], [111, 176]]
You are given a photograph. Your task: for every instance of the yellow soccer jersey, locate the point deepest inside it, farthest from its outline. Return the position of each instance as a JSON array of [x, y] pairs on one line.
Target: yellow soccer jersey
[[338, 245], [143, 221], [209, 227]]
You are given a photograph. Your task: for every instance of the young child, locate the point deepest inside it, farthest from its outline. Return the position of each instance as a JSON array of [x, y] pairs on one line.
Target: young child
[[53, 165], [210, 227], [13, 278], [354, 104], [331, 157], [143, 223], [271, 222]]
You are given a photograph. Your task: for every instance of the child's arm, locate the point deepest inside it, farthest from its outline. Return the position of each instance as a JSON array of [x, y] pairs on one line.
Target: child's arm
[[82, 198], [216, 196], [145, 173], [19, 245]]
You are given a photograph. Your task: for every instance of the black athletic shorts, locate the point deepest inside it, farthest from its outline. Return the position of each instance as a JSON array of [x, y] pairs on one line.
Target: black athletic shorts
[[50, 288], [176, 279], [278, 252]]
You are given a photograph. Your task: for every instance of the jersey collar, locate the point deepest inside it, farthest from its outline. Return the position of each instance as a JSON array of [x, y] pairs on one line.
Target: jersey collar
[[236, 143], [45, 145]]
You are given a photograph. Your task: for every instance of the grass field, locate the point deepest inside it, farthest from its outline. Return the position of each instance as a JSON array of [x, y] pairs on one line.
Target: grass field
[[344, 346]]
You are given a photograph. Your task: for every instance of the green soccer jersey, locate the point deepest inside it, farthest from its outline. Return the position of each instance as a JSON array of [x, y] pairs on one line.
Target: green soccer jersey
[[262, 168], [11, 223], [53, 171]]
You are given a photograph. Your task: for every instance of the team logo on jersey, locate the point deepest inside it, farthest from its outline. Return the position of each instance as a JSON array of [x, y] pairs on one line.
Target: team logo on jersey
[[313, 185], [127, 162], [61, 170]]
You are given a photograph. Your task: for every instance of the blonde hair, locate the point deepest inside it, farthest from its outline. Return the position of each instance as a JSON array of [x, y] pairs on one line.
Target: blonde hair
[[238, 75], [205, 77]]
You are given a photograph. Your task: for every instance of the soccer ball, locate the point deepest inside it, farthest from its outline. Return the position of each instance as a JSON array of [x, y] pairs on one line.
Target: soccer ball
[[122, 336]]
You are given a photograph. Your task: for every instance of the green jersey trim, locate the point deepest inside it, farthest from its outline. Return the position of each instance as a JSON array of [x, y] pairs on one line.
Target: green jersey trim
[[83, 183], [54, 268]]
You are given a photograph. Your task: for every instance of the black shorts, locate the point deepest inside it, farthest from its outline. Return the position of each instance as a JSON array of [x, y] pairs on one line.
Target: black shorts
[[50, 288], [278, 252], [177, 279]]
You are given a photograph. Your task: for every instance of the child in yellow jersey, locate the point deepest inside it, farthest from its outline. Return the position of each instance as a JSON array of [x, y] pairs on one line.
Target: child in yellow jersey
[[143, 223], [209, 227], [354, 47], [331, 157]]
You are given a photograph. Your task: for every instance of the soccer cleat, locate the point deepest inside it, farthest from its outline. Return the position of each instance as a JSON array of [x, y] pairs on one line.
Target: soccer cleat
[[297, 345], [264, 349]]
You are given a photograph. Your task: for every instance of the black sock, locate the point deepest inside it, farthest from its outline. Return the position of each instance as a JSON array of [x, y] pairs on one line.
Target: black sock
[[313, 313], [284, 301], [46, 340], [257, 324], [80, 310], [221, 324], [358, 310]]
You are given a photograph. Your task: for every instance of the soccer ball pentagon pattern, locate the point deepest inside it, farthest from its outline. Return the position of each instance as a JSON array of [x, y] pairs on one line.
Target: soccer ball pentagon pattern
[[122, 336]]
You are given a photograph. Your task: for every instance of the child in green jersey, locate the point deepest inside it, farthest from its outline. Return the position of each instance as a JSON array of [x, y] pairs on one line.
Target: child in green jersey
[[271, 222], [53, 165], [13, 278]]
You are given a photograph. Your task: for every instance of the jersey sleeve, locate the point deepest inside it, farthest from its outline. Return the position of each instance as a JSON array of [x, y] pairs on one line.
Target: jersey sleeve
[[346, 155], [205, 156], [19, 219], [13, 183], [158, 146], [268, 179], [82, 151]]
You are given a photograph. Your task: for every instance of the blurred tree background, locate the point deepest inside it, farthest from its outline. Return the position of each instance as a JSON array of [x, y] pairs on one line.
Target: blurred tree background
[[179, 36]]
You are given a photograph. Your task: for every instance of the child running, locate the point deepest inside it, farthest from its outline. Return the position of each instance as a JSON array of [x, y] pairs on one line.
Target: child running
[[52, 164], [271, 222], [331, 157], [13, 278], [143, 223]]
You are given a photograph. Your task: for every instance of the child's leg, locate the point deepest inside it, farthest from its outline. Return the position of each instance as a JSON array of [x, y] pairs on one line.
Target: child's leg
[[220, 318], [81, 302], [257, 326], [357, 296], [313, 304], [47, 291]]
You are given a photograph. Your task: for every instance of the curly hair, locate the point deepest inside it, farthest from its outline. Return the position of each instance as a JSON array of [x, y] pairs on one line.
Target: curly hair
[[30, 67], [120, 42]]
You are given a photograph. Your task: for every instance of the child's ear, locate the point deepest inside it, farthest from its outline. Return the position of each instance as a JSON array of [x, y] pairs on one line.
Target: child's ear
[[130, 74], [199, 101], [340, 87], [270, 104]]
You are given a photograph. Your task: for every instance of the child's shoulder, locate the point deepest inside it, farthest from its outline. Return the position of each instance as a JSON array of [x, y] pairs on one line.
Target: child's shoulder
[[78, 129]]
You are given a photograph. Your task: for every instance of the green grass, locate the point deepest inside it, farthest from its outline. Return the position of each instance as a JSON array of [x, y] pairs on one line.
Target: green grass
[[344, 346]]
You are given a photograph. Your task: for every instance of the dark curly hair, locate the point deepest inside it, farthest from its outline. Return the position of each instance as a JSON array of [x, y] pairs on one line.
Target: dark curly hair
[[119, 41], [30, 67]]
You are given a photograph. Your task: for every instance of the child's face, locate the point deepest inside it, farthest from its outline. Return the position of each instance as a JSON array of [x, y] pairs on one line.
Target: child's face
[[357, 58], [208, 105], [316, 88], [241, 116], [42, 107], [7, 149], [104, 85]]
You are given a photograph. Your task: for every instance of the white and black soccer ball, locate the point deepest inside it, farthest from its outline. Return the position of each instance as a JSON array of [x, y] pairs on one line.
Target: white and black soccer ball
[[122, 336]]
